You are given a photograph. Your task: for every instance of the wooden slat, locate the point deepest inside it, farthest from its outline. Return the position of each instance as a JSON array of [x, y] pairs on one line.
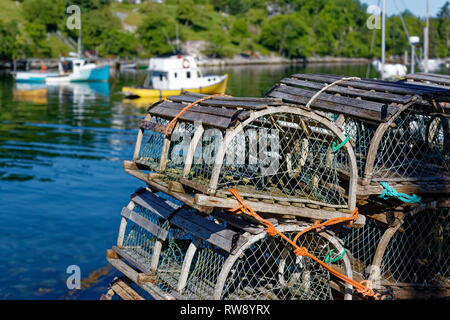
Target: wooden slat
[[305, 212], [376, 96], [154, 203], [148, 125], [132, 274], [384, 86], [239, 223], [208, 119], [223, 112], [428, 77], [219, 102], [359, 104], [145, 223], [270, 101], [329, 106], [125, 292], [215, 234]]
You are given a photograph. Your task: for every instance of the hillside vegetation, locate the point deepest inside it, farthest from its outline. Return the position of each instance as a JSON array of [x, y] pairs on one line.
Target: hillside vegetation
[[294, 29]]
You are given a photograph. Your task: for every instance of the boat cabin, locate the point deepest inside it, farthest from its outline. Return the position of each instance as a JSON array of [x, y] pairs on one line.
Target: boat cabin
[[175, 73]]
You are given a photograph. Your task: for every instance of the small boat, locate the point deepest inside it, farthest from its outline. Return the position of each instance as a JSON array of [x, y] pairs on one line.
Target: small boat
[[171, 75], [27, 76], [79, 70]]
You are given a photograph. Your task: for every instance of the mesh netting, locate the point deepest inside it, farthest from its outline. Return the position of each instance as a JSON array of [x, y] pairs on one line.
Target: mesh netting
[[269, 270], [417, 145], [361, 244], [140, 244], [206, 266], [418, 253], [361, 135], [152, 144], [281, 155]]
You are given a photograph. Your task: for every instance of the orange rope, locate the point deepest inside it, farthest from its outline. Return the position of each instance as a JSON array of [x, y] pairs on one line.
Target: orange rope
[[172, 123], [303, 251]]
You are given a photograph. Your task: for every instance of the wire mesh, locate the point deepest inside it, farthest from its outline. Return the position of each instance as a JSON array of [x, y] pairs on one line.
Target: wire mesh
[[152, 145], [206, 266], [140, 245], [269, 270], [416, 145], [278, 155], [418, 253], [361, 244]]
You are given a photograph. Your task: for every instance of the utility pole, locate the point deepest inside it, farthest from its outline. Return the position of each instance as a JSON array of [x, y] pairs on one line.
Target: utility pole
[[383, 37], [426, 38]]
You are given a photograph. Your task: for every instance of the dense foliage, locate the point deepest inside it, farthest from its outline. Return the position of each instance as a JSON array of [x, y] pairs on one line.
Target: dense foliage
[[292, 28]]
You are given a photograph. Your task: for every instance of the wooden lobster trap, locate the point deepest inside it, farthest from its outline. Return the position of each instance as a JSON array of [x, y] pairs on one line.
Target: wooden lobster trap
[[280, 157], [409, 254], [399, 130], [174, 252]]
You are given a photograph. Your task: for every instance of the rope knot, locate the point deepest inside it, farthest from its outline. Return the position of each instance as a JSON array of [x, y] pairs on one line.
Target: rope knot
[[353, 217], [271, 230], [301, 251]]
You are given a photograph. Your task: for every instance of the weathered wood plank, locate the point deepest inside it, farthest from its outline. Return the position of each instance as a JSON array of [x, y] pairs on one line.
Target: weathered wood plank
[[218, 102], [376, 96], [145, 223], [384, 86], [132, 274], [304, 212], [211, 120], [125, 292], [240, 223], [148, 125], [226, 239], [218, 111], [428, 77], [270, 101], [328, 106]]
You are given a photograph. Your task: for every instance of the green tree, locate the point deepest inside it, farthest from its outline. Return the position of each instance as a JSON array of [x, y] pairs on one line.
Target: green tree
[[45, 12], [152, 34], [288, 34]]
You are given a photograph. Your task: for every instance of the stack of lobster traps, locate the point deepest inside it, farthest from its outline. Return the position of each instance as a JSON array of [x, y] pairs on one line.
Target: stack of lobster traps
[[258, 198]]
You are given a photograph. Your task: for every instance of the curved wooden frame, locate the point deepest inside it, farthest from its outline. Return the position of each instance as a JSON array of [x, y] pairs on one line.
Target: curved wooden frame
[[231, 133], [229, 262], [375, 270], [375, 143]]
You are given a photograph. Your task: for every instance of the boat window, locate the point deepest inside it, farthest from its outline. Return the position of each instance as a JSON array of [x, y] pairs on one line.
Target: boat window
[[175, 74], [198, 74], [188, 74], [159, 74]]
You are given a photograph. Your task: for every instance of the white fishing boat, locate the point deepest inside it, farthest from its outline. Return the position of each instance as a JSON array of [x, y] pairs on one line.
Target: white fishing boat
[[79, 70], [171, 75]]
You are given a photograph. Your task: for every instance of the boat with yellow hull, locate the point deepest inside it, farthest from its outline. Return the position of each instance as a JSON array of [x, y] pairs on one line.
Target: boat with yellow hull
[[148, 93]]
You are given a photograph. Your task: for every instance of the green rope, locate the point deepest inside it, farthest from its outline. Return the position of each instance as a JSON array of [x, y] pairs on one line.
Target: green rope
[[391, 192], [327, 258], [336, 148]]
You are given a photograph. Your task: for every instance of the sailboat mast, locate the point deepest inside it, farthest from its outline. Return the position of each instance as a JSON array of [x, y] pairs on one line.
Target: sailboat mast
[[426, 38], [79, 42], [383, 36]]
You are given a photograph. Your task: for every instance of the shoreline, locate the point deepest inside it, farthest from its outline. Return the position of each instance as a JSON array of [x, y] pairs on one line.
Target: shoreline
[[52, 63]]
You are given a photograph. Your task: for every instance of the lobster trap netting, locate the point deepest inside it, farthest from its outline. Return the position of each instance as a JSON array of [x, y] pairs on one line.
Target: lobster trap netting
[[205, 269], [152, 145], [418, 252], [269, 270], [416, 145], [140, 245], [361, 245], [281, 156], [361, 134]]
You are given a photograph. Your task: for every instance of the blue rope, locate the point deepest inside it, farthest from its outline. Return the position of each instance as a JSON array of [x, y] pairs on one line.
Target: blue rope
[[391, 192]]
